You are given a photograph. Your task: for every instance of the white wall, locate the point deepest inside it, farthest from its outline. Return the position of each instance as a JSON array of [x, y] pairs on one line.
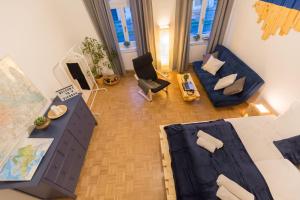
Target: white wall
[[36, 34], [197, 51], [276, 59], [127, 57]]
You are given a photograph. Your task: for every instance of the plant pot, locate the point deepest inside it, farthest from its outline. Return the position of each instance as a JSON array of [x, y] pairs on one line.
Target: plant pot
[[111, 79], [99, 80], [126, 44], [45, 125], [196, 38]]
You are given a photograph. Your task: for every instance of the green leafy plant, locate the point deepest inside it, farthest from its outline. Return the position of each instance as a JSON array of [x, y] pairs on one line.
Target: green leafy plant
[[185, 77], [97, 52], [40, 121], [196, 37], [126, 44]]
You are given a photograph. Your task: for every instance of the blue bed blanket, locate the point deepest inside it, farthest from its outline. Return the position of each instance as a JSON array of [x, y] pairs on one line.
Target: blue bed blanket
[[196, 170]]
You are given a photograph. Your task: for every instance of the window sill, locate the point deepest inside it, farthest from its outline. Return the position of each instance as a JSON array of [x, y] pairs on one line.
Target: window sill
[[130, 49], [199, 42]]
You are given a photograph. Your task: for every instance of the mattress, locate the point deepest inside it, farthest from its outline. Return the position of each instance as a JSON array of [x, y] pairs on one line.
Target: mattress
[[195, 170], [257, 135]]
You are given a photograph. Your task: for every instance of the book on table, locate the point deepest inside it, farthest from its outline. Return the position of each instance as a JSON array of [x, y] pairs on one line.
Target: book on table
[[188, 86]]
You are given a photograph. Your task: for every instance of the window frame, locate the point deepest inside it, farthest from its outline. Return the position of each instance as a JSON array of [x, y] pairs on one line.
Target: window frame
[[201, 22], [121, 9]]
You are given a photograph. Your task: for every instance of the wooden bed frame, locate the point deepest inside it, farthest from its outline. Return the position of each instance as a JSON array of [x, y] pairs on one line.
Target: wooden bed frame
[[166, 164]]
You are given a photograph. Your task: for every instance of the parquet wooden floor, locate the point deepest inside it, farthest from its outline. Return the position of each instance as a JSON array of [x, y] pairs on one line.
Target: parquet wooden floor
[[123, 161]]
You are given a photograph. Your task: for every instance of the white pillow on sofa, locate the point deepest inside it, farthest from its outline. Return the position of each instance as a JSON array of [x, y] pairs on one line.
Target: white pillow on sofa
[[213, 65], [225, 81]]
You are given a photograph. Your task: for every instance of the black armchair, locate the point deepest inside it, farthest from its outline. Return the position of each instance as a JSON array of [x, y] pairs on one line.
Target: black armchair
[[147, 78]]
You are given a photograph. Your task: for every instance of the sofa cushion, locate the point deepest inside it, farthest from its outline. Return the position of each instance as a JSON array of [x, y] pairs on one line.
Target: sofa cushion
[[213, 65], [207, 56], [236, 87], [162, 83], [225, 81]]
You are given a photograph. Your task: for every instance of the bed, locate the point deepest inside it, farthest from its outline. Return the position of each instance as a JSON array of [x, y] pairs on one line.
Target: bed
[[257, 135]]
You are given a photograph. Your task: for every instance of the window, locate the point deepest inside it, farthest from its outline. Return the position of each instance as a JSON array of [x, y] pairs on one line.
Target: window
[[196, 13], [123, 21], [203, 14], [118, 24], [129, 24]]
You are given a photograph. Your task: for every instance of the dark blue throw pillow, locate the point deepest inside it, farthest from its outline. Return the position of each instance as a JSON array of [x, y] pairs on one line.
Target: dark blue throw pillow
[[290, 149]]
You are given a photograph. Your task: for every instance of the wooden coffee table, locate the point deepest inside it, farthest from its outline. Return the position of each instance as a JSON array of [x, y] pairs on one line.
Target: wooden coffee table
[[186, 96]]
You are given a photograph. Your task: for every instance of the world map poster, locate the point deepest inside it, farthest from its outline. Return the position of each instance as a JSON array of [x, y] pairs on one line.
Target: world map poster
[[20, 104], [24, 159]]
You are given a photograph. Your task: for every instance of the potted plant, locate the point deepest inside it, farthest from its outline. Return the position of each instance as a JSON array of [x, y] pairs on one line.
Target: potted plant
[[42, 122], [99, 58], [126, 44], [196, 37], [185, 77]]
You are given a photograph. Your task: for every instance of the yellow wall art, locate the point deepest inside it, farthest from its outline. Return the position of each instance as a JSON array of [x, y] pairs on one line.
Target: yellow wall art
[[278, 16]]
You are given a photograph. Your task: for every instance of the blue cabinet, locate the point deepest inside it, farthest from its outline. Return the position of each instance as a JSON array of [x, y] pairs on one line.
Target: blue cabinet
[[58, 173]]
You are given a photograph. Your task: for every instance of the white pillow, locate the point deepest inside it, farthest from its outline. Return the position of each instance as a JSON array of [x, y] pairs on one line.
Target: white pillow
[[288, 124], [213, 65], [225, 81]]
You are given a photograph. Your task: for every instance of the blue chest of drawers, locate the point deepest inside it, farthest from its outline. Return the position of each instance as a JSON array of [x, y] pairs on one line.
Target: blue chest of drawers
[[58, 173]]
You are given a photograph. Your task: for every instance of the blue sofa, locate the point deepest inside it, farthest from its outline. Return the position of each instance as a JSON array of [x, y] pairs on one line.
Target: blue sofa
[[232, 65]]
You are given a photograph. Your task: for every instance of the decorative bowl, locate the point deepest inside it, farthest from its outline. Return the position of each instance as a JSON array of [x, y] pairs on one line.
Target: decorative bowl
[[52, 115]]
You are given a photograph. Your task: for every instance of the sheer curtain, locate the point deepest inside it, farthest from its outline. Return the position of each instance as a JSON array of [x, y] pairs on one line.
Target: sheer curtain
[[182, 34], [99, 11], [220, 24], [142, 17]]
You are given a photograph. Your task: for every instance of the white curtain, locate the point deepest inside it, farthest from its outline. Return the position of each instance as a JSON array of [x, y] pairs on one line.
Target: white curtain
[[99, 11], [182, 34], [142, 17], [220, 24]]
